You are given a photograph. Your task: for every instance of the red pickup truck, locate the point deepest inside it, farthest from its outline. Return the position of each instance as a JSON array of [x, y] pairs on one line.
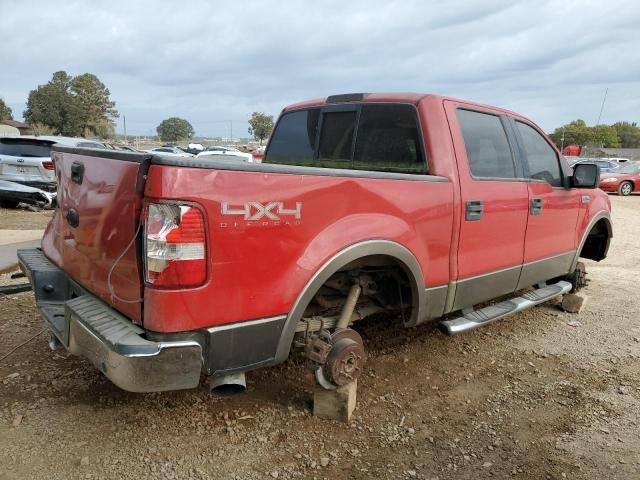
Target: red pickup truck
[[159, 269]]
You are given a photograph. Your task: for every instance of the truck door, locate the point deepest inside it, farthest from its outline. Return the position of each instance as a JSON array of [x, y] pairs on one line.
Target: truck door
[[495, 205], [549, 246]]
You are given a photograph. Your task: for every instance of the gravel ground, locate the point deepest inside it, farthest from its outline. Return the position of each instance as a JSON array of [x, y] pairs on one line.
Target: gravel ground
[[24, 219], [528, 397]]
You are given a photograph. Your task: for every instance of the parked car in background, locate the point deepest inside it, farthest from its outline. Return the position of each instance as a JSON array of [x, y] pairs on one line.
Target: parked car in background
[[618, 160], [605, 165], [572, 160], [27, 159], [258, 154], [624, 181], [124, 148], [12, 194], [172, 151], [226, 151]]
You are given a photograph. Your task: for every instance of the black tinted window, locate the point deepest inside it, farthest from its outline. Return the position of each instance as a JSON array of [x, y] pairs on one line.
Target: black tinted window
[[25, 149], [336, 138], [294, 139], [541, 158], [487, 146], [388, 140], [103, 147]]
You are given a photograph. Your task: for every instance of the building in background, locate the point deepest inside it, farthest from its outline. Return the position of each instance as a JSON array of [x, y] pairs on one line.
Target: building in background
[[20, 127]]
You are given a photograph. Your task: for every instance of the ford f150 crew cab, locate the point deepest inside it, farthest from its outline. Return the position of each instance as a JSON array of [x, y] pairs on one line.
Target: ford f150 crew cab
[[159, 269]]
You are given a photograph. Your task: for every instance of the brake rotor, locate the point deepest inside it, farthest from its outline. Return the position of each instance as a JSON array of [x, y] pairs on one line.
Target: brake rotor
[[579, 277], [344, 361]]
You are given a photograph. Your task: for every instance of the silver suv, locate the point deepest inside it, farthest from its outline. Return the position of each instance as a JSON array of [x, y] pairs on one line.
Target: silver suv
[[27, 159]]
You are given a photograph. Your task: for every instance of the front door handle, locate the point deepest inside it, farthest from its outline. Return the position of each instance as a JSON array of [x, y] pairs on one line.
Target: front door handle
[[535, 207], [473, 210]]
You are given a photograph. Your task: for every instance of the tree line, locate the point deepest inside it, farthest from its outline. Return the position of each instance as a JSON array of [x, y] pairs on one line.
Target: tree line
[[81, 106], [618, 135]]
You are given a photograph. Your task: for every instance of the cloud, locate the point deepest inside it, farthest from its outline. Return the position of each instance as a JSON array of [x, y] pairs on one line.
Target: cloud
[[216, 62]]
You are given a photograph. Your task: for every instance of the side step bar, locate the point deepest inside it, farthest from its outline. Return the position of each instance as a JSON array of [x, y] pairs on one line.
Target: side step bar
[[486, 315]]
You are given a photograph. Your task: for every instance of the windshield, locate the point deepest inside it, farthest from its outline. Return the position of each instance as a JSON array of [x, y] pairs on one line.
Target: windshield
[[25, 149], [629, 169]]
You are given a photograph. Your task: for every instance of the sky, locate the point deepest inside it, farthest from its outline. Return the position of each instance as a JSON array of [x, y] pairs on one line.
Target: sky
[[214, 63]]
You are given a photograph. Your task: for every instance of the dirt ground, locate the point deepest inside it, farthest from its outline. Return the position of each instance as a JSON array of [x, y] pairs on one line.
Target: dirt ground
[[533, 396]]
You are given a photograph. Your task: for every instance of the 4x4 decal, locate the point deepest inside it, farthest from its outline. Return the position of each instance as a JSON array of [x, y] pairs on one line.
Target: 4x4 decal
[[257, 211]]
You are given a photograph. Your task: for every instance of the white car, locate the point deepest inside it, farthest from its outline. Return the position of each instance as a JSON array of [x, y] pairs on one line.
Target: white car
[[226, 151], [170, 151], [27, 159]]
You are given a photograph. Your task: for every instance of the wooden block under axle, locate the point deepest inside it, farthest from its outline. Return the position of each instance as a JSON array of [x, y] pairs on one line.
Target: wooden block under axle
[[337, 404], [574, 302]]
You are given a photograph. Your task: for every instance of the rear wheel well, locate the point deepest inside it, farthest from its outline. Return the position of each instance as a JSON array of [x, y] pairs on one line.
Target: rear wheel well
[[386, 283], [596, 244]]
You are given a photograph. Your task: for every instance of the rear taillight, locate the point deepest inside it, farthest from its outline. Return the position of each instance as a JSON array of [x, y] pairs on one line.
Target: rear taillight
[[48, 165], [175, 246]]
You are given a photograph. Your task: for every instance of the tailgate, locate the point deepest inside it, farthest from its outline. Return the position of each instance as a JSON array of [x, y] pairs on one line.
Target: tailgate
[[93, 235]]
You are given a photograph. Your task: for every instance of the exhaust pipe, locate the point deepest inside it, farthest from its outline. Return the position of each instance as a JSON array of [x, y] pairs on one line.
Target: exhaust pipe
[[228, 385]]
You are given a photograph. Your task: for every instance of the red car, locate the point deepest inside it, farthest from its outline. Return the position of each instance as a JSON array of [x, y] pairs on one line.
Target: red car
[[413, 207], [625, 181]]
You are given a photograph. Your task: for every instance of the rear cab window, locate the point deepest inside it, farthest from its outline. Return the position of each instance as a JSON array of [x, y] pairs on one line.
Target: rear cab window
[[371, 137]]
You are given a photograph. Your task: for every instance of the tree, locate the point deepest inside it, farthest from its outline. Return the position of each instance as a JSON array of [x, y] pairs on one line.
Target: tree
[[629, 134], [72, 106], [96, 109], [5, 111], [605, 136], [41, 129], [260, 126], [174, 129]]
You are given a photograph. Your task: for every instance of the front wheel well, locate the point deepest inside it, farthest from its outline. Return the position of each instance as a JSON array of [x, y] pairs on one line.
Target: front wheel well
[[596, 244]]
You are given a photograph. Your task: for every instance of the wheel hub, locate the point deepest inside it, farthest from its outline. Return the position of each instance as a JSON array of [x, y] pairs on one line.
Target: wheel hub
[[338, 358]]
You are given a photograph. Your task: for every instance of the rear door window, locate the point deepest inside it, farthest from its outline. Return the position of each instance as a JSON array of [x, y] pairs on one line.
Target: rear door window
[[540, 157], [294, 140], [487, 146]]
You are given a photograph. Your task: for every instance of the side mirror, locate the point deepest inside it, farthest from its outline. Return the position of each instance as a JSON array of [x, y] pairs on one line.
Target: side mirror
[[585, 175]]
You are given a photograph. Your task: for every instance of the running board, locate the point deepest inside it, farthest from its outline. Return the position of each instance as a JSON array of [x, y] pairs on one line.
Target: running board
[[486, 315]]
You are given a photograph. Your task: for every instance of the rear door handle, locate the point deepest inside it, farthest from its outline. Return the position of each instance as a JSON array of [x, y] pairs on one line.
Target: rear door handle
[[535, 207], [473, 210]]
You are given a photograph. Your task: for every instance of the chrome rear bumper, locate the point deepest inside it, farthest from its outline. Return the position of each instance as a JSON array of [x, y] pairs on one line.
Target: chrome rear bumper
[[88, 327]]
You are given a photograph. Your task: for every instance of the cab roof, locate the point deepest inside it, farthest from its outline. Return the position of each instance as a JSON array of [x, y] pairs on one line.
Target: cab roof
[[413, 98]]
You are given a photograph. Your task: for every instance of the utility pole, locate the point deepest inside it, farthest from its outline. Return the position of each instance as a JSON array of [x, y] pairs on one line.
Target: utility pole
[[604, 99], [562, 140], [124, 119]]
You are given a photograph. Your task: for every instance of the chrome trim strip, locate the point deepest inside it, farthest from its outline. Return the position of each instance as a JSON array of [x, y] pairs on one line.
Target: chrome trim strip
[[482, 275], [250, 323]]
